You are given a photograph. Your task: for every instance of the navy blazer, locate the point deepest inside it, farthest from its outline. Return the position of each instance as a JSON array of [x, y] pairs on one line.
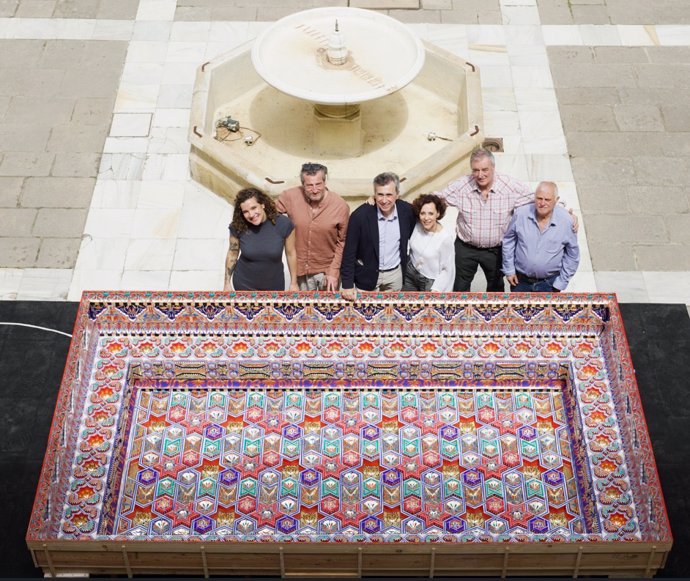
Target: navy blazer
[[360, 266]]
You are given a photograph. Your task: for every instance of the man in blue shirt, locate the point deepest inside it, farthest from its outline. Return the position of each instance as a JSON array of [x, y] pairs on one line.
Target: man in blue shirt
[[540, 251]]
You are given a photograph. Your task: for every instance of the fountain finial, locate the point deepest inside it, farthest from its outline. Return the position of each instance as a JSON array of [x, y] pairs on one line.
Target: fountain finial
[[336, 53]]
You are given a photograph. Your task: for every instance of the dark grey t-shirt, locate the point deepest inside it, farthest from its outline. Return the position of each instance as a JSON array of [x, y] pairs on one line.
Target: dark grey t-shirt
[[260, 266]]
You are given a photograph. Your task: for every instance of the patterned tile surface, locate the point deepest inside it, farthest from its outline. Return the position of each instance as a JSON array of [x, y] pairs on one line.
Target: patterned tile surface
[[254, 417]]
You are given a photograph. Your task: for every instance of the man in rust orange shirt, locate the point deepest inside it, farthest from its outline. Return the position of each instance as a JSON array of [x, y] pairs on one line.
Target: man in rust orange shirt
[[320, 217]]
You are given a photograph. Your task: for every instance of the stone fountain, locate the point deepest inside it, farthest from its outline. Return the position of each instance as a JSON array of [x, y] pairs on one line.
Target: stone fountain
[[351, 88]]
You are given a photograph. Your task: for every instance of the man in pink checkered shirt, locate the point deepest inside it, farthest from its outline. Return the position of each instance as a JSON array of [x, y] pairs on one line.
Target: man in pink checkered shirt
[[485, 201]]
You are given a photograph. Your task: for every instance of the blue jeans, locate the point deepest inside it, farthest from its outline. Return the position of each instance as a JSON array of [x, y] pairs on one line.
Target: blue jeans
[[531, 285]]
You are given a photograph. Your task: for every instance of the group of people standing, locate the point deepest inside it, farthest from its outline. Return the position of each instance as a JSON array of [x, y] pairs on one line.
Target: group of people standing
[[388, 244]]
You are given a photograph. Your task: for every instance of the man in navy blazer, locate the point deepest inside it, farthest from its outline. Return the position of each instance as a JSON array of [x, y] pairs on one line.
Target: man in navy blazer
[[375, 254]]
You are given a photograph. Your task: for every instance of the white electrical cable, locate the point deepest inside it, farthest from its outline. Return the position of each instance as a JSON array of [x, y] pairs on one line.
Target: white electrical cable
[[36, 327]]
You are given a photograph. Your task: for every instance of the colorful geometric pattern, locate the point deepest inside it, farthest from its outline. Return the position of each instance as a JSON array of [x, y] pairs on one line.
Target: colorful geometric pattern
[[348, 464], [403, 418]]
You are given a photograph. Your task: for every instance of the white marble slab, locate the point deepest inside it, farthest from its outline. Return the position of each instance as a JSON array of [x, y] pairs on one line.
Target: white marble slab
[[171, 118], [10, 279], [186, 52], [152, 31], [204, 280], [136, 97], [131, 124], [169, 140], [102, 252], [502, 124], [637, 35], [199, 254], [485, 34], [505, 3], [147, 51], [671, 35], [600, 35], [112, 30], [668, 287], [175, 96], [551, 167], [156, 9], [122, 166], [145, 280], [528, 55], [521, 15], [236, 33], [43, 284], [97, 279], [126, 145], [451, 37], [542, 132], [536, 99], [155, 222], [161, 195], [498, 99], [150, 254], [496, 76], [483, 56], [629, 286], [109, 223], [115, 194], [142, 73], [532, 76], [582, 282], [190, 32], [175, 73], [561, 35]]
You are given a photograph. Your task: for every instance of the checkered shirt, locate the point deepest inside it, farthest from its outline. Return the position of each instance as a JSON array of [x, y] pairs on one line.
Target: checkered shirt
[[483, 223]]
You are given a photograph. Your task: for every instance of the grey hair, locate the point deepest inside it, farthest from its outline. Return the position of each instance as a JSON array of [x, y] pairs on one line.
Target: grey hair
[[387, 177], [481, 153], [547, 183]]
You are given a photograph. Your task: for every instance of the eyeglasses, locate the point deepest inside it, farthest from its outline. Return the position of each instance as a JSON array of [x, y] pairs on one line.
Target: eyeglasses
[[311, 168]]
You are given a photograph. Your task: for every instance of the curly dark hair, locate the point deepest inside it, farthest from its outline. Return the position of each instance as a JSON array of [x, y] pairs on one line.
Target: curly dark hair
[[424, 199], [239, 223]]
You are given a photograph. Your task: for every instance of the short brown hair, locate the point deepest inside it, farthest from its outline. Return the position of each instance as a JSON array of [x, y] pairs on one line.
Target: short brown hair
[[424, 199]]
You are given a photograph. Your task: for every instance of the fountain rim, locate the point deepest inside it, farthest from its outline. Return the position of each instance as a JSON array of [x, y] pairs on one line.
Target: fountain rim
[[330, 98]]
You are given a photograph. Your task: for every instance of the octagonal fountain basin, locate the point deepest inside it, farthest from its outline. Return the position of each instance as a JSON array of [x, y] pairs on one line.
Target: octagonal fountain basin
[[246, 132]]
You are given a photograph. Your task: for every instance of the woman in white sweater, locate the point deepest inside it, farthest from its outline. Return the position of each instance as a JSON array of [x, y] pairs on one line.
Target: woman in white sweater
[[431, 265]]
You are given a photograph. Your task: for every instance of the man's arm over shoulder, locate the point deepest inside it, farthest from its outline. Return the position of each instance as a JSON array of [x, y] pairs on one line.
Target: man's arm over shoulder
[[406, 213], [285, 202], [521, 191], [452, 193]]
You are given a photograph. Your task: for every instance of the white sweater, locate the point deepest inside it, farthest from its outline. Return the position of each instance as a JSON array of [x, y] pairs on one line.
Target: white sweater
[[433, 255]]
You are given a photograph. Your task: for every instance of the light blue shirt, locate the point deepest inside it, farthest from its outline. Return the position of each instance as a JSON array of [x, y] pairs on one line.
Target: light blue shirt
[[389, 239], [538, 254]]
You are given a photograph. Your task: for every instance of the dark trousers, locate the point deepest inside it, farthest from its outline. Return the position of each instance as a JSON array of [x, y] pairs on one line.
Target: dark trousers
[[468, 258], [415, 281]]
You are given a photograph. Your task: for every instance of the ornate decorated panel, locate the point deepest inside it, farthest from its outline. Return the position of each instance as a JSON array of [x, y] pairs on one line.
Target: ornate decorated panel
[[299, 418]]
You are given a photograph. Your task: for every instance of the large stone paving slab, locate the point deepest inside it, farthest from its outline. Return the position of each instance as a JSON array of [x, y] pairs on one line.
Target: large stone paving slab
[[629, 150], [57, 98]]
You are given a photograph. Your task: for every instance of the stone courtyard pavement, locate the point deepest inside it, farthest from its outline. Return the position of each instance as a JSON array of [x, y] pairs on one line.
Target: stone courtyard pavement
[[94, 107]]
